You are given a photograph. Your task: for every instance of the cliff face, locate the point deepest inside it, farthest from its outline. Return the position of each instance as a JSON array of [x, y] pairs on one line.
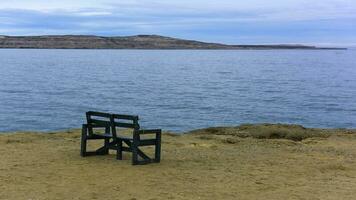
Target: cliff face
[[129, 42]]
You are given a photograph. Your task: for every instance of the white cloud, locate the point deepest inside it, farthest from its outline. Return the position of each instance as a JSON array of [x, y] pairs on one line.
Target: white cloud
[[229, 19], [93, 13], [272, 9]]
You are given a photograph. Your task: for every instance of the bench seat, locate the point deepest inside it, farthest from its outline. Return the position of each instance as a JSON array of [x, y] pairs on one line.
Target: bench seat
[[100, 136]]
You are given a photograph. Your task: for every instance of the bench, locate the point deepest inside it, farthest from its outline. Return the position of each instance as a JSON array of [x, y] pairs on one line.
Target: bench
[[111, 124]]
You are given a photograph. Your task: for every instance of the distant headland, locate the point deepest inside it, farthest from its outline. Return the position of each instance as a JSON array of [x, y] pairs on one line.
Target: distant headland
[[128, 42]]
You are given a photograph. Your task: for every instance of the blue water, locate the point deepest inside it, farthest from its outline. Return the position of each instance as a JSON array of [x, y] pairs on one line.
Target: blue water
[[177, 90]]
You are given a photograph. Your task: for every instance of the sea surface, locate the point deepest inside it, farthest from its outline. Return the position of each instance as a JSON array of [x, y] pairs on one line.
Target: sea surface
[[177, 90]]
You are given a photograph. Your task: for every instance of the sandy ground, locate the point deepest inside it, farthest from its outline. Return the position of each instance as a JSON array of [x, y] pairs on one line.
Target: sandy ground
[[194, 166]]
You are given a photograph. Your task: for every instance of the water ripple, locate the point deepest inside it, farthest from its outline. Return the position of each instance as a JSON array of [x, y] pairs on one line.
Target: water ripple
[[177, 90]]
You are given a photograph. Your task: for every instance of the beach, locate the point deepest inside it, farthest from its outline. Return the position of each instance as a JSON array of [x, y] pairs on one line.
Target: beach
[[213, 163]]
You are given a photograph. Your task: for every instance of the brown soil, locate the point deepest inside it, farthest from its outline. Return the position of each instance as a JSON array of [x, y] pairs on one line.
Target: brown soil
[[215, 163]]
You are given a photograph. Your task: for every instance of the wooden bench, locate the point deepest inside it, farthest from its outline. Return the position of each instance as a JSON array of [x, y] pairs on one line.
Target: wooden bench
[[111, 124], [90, 131]]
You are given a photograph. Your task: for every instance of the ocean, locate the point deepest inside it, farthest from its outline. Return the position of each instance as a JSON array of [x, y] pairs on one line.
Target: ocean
[[177, 90]]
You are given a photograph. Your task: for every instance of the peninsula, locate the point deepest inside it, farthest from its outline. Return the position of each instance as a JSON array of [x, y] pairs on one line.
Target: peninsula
[[126, 42]]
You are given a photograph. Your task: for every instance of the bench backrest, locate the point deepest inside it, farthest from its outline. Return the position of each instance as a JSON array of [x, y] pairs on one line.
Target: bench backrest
[[98, 119], [124, 121], [111, 121]]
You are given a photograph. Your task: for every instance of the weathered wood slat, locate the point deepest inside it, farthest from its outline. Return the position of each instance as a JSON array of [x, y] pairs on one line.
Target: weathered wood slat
[[98, 126], [124, 125], [127, 117], [125, 138], [103, 123], [99, 114], [147, 142], [97, 137]]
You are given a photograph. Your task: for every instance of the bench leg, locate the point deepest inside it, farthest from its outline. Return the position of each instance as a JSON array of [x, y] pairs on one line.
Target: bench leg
[[134, 153], [119, 150], [158, 148], [106, 141], [134, 156], [83, 145], [106, 144]]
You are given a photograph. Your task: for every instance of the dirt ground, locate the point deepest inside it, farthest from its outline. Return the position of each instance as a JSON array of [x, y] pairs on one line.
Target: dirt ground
[[202, 165]]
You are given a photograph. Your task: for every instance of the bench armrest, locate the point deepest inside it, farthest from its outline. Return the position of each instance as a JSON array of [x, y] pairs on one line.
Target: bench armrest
[[157, 132], [87, 129]]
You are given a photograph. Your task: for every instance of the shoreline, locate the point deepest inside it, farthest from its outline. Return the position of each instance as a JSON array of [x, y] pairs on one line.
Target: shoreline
[[261, 126], [246, 162]]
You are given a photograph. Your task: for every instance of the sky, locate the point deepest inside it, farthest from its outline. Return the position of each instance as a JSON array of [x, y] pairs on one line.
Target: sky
[[318, 22]]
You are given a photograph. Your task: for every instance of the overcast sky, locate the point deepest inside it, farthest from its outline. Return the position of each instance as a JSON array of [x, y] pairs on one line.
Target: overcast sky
[[322, 22]]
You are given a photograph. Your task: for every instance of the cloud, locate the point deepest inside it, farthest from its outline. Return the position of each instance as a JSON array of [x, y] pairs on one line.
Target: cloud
[[222, 21]]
